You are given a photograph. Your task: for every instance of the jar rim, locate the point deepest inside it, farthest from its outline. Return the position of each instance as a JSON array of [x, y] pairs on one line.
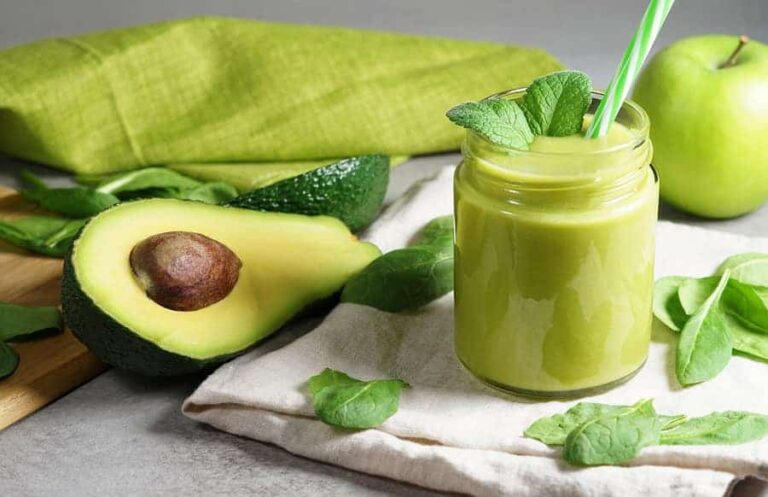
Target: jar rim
[[640, 132]]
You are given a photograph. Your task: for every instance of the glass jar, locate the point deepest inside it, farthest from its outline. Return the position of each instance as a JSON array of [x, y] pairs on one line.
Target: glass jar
[[554, 258]]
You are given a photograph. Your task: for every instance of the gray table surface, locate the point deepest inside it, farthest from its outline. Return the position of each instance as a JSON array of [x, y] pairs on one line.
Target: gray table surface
[[121, 434]]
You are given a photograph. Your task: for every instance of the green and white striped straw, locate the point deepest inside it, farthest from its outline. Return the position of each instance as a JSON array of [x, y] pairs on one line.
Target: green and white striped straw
[[634, 57]]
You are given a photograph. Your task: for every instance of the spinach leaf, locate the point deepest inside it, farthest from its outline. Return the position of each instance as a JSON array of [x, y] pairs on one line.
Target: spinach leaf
[[499, 120], [555, 104], [666, 302], [438, 234], [745, 339], [750, 268], [210, 193], [407, 278], [742, 301], [330, 377], [19, 320], [719, 428], [45, 235], [614, 437], [705, 344], [346, 402], [75, 202], [145, 179], [553, 430], [9, 360]]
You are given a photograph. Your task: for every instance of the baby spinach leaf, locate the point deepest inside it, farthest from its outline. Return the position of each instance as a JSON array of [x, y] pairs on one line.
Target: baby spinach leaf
[[75, 202], [32, 179], [45, 235], [330, 377], [669, 422], [20, 320], [555, 104], [718, 428], [745, 339], [614, 437], [346, 402], [408, 278], [666, 303], [705, 344], [144, 179], [437, 233], [402, 279], [742, 301], [553, 430], [210, 193], [9, 360], [499, 120], [750, 268]]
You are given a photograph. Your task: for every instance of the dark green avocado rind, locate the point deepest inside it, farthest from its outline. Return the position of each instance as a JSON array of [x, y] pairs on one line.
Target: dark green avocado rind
[[351, 190], [115, 344]]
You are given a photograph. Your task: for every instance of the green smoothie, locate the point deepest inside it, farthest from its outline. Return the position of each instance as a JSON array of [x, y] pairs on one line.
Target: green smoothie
[[554, 260]]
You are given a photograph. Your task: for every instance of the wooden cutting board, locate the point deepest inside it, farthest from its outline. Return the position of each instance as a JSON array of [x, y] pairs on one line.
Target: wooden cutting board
[[49, 367]]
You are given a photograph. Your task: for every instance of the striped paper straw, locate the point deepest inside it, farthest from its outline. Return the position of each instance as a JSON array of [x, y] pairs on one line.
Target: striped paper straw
[[633, 59]]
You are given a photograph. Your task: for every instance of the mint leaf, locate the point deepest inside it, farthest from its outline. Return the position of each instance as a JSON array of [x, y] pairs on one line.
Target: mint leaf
[[410, 277], [666, 302], [346, 402], [554, 105], [614, 437], [498, 120], [705, 344], [20, 320], [718, 428]]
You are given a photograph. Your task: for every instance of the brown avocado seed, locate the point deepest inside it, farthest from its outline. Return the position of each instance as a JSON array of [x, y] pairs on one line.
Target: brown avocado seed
[[184, 271]]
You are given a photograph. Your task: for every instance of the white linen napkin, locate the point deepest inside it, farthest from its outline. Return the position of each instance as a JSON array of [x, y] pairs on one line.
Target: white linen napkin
[[452, 433]]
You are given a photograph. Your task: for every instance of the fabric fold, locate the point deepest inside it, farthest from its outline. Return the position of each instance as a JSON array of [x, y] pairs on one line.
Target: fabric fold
[[219, 90], [453, 433]]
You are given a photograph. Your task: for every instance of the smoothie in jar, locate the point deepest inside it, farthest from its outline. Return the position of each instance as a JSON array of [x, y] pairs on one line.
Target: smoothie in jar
[[554, 258]]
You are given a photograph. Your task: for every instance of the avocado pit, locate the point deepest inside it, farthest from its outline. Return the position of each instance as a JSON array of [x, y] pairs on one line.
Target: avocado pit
[[184, 271]]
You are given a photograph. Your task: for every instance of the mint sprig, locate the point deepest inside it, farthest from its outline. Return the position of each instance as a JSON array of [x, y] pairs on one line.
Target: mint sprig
[[554, 105], [500, 121]]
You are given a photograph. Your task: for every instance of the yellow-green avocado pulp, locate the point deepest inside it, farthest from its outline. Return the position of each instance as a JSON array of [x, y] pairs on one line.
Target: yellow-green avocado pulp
[[288, 262]]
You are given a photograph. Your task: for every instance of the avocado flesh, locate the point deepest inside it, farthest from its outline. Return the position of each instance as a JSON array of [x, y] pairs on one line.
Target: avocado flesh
[[288, 262]]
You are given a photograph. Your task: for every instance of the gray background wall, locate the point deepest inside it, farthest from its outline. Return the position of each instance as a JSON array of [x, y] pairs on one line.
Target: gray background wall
[[585, 34]]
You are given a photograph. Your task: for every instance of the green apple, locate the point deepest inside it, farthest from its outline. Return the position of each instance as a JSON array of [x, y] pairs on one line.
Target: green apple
[[708, 104]]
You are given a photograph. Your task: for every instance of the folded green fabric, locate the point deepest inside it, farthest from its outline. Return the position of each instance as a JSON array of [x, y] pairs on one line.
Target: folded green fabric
[[215, 90]]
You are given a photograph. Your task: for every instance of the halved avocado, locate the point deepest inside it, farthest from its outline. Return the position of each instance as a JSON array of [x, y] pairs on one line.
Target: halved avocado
[[286, 262], [352, 190]]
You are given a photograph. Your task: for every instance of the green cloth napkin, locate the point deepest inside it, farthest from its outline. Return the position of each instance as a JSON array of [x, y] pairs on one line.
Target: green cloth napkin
[[217, 90]]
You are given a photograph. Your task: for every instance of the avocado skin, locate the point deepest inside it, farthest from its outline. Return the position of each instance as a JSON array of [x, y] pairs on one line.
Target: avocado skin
[[351, 190], [115, 344]]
